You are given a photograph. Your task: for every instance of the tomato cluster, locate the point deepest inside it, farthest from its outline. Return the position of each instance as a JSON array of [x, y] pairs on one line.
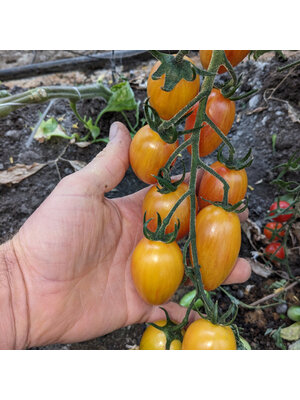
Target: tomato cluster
[[274, 231], [157, 266]]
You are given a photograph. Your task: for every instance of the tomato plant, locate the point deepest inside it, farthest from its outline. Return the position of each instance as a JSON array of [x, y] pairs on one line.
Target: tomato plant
[[148, 153], [222, 112], [157, 270], [218, 240], [162, 203], [233, 56], [282, 206], [157, 263], [167, 104], [155, 339], [270, 231], [203, 335], [212, 188], [275, 249]]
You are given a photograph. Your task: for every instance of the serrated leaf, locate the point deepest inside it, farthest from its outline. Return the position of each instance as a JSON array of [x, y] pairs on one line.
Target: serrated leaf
[[122, 98], [291, 332]]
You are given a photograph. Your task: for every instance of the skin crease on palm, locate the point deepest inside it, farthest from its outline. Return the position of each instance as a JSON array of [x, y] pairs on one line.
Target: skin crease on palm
[[74, 256]]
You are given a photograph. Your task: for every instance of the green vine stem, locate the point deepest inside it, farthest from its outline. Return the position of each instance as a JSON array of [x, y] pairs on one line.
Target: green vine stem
[[219, 133], [46, 93], [218, 58]]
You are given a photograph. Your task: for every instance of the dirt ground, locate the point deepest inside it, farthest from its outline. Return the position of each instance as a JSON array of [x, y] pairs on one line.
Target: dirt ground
[[273, 110]]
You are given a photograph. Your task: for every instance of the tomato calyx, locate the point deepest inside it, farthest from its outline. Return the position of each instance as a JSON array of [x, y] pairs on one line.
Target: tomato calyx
[[168, 135], [238, 207], [171, 330], [166, 185], [234, 163], [159, 234], [175, 69]]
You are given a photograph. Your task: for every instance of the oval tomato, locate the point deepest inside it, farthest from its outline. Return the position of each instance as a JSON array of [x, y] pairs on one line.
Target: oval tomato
[[148, 153], [167, 104], [222, 112], [211, 188], [270, 228], [163, 203], [275, 249], [218, 240], [203, 335], [233, 56], [155, 339], [282, 205], [157, 270]]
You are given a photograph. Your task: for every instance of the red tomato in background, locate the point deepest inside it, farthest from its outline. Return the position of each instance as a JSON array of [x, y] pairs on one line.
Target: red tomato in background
[[233, 56], [218, 241], [148, 153], [167, 104], [222, 112], [157, 270], [275, 249], [282, 205], [203, 335], [272, 226], [211, 188], [163, 203]]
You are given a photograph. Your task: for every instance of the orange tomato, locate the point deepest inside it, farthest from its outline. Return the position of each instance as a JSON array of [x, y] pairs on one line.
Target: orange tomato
[[222, 112], [163, 203], [155, 339], [218, 241], [233, 56], [167, 104], [148, 153], [211, 188], [157, 270], [203, 335]]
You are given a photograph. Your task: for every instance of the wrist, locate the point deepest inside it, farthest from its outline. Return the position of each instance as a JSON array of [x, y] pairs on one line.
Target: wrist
[[14, 312]]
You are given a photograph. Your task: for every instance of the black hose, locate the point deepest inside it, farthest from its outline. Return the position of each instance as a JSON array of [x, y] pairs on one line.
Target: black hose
[[92, 61]]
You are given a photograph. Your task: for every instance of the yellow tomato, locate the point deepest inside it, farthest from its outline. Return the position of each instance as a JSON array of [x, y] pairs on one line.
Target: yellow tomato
[[155, 339], [167, 104], [203, 335]]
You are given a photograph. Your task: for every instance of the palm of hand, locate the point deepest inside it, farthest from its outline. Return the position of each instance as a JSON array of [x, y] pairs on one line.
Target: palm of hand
[[76, 249], [76, 246]]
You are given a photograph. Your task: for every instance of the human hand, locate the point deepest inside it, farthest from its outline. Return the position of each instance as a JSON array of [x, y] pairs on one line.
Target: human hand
[[74, 255]]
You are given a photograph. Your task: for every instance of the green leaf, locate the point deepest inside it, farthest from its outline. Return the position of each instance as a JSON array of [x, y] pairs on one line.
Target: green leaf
[[292, 332], [295, 345], [122, 98], [95, 130], [49, 129]]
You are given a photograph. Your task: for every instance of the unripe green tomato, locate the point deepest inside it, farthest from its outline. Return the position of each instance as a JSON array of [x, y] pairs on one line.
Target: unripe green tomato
[[294, 313]]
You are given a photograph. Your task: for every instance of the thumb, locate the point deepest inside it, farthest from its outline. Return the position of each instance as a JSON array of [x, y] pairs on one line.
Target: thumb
[[108, 168]]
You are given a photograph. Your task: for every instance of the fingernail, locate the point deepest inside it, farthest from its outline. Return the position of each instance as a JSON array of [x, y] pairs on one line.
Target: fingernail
[[113, 131]]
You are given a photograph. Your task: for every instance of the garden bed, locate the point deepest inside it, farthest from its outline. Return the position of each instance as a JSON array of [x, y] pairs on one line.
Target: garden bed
[[266, 114]]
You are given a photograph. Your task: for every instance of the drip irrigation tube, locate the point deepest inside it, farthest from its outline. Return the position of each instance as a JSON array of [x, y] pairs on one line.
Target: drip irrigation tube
[[92, 61]]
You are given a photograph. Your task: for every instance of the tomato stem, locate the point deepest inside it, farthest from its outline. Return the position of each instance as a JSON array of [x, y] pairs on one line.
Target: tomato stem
[[46, 93]]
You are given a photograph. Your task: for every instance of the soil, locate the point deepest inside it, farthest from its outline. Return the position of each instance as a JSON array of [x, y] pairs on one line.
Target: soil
[[258, 118]]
